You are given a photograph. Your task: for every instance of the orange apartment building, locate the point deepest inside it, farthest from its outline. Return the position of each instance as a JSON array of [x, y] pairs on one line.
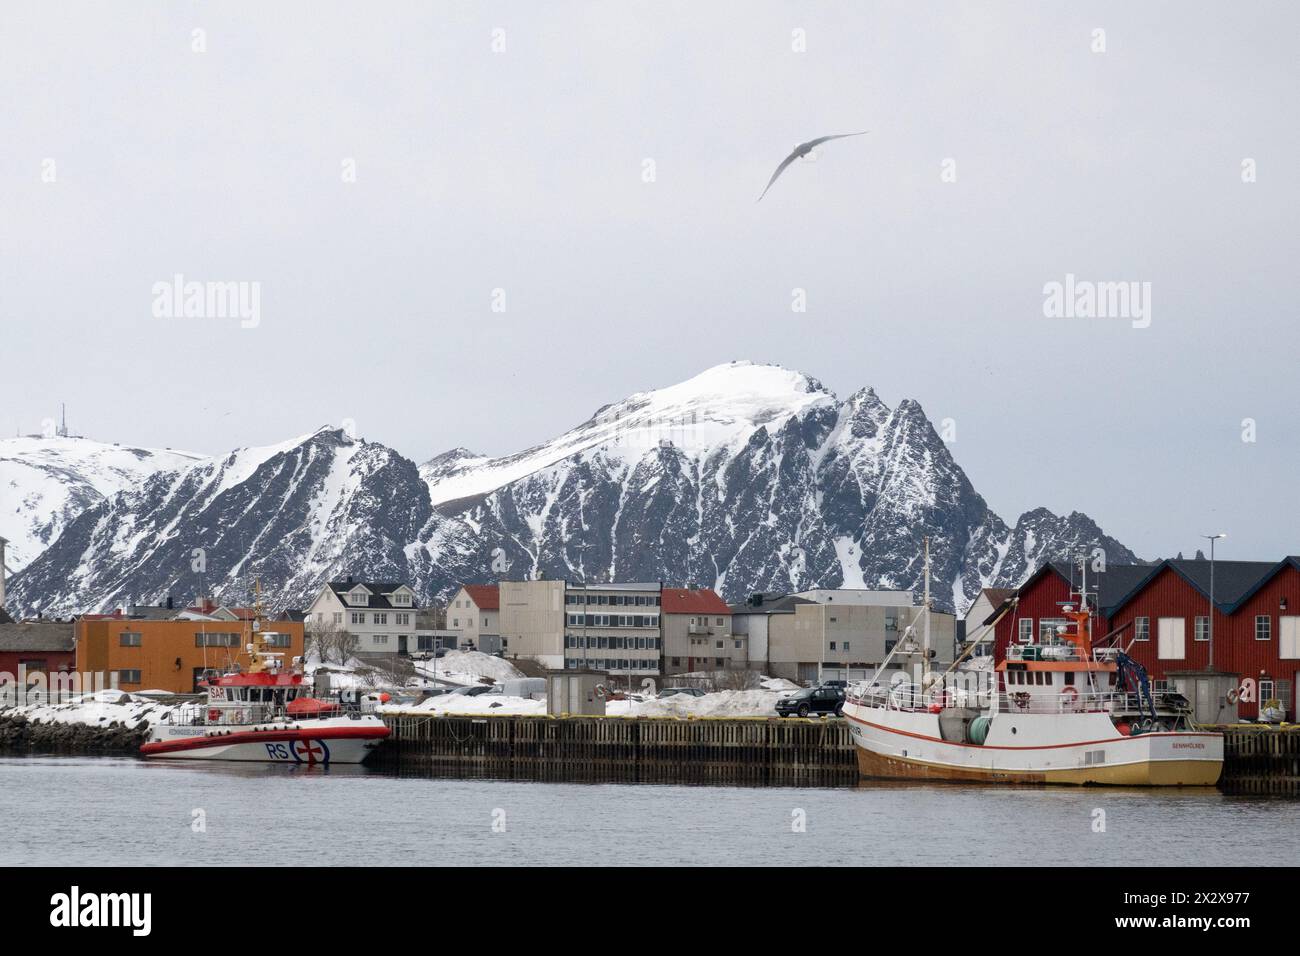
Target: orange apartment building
[[172, 655]]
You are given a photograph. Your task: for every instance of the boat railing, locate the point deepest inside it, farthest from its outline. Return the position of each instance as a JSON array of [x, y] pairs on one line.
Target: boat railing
[[1059, 651], [235, 713], [913, 697]]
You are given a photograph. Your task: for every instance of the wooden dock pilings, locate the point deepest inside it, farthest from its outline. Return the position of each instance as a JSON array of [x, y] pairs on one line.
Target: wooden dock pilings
[[743, 751], [1260, 759], [754, 751]]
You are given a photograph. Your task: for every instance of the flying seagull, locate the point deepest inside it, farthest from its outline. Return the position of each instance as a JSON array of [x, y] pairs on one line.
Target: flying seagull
[[803, 149]]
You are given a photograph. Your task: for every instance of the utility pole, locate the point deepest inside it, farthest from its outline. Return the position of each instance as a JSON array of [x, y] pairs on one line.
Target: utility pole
[[1212, 538]]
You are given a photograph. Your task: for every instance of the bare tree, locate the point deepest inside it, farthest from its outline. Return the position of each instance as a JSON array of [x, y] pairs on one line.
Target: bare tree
[[737, 680], [331, 642], [394, 669]]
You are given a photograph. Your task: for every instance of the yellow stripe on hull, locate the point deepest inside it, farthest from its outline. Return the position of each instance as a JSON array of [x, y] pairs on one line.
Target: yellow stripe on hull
[[1147, 773]]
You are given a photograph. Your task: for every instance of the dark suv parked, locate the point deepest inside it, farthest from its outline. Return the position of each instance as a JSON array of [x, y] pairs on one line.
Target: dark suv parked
[[813, 700]]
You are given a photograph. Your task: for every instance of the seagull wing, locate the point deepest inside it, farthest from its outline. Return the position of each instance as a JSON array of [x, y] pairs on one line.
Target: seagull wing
[[779, 170], [814, 143]]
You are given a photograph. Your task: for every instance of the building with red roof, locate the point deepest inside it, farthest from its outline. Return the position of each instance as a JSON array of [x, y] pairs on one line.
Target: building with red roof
[[1160, 615], [697, 635], [474, 614]]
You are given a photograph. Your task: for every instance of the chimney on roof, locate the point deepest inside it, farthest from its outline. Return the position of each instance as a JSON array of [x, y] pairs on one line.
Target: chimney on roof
[[349, 579], [170, 606]]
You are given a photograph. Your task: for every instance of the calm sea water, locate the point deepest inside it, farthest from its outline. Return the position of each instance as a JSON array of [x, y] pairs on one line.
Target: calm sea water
[[108, 811]]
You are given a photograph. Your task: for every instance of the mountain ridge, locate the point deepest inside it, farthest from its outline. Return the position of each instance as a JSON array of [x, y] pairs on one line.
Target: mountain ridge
[[745, 477]]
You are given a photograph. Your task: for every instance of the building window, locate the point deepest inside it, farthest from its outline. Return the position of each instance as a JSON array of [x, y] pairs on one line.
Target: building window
[[1141, 628], [381, 619], [1263, 627], [832, 645], [358, 618], [737, 645], [216, 640], [129, 639], [277, 640], [1265, 689], [338, 617], [1025, 630], [380, 638], [128, 677], [1201, 630], [1047, 628]]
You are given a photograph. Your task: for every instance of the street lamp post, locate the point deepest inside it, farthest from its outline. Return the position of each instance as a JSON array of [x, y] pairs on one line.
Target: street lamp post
[[1212, 538]]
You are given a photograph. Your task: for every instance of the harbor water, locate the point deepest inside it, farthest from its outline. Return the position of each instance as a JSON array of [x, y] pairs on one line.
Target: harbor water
[[114, 811]]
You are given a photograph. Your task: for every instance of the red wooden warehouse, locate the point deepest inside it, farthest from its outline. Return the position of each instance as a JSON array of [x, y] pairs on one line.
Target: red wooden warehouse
[[1160, 615]]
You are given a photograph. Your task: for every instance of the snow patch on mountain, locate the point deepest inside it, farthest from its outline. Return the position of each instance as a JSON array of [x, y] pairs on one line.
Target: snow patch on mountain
[[45, 483]]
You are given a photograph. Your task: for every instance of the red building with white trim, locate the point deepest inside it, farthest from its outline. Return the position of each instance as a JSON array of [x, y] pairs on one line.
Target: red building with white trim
[[1160, 615]]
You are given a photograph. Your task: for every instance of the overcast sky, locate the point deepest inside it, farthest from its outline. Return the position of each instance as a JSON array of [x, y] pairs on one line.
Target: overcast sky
[[523, 169]]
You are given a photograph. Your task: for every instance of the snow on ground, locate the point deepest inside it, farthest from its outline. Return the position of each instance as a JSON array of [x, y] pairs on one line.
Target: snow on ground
[[478, 704], [468, 667], [727, 703], [96, 710]]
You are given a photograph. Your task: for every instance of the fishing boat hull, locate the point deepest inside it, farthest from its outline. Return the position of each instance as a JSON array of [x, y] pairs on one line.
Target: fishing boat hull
[[313, 743], [1073, 749]]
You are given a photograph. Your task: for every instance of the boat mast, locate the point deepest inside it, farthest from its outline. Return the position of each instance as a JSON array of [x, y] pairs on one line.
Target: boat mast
[[925, 648]]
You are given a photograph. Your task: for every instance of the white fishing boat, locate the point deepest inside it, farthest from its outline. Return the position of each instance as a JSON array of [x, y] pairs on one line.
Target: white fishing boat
[[1056, 711]]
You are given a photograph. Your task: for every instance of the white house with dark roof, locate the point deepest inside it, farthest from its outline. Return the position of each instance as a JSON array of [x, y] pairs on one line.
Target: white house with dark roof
[[380, 614]]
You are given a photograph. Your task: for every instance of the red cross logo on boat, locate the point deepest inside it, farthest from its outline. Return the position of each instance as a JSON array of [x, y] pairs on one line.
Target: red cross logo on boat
[[311, 751]]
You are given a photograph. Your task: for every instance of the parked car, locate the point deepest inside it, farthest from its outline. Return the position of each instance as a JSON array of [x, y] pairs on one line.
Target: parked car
[[812, 700], [474, 690], [688, 691]]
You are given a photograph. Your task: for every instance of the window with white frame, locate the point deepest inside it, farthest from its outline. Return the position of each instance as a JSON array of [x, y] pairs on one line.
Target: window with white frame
[[1025, 633], [1201, 630], [1288, 630], [1263, 627], [1171, 638], [1141, 628]]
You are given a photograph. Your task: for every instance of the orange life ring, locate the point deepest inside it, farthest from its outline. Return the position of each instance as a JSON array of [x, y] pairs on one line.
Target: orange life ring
[[1233, 695], [1072, 692]]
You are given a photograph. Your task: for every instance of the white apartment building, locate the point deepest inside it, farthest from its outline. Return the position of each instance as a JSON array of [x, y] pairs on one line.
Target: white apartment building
[[380, 614]]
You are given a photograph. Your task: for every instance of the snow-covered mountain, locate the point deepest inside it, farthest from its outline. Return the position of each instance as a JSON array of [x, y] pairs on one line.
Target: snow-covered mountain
[[47, 482], [746, 477]]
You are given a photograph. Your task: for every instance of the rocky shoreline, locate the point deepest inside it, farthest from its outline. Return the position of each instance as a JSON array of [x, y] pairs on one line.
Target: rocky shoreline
[[18, 734]]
